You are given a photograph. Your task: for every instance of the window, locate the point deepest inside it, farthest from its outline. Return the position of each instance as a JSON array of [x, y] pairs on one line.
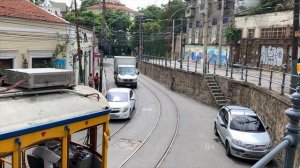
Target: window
[[215, 21], [41, 62], [225, 20], [55, 12], [198, 23], [224, 116], [6, 64], [131, 93], [274, 32], [251, 33], [190, 24]]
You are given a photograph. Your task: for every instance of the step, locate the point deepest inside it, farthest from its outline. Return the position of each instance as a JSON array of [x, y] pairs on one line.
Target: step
[[214, 87], [216, 90], [212, 84], [222, 101], [218, 93], [220, 97]]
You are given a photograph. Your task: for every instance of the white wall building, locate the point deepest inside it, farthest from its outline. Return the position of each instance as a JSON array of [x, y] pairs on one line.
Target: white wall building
[[269, 25]]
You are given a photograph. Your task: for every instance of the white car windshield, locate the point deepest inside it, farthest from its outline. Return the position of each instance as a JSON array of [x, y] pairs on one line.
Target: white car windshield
[[246, 123], [117, 97], [127, 70]]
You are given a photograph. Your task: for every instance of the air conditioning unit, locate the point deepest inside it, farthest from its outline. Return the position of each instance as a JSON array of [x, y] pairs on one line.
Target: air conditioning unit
[[40, 77]]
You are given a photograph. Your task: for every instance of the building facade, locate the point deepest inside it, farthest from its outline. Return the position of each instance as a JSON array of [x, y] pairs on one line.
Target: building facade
[[195, 20], [34, 38], [266, 39], [57, 8]]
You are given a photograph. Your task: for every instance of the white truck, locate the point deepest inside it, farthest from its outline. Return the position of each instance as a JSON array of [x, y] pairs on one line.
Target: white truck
[[125, 72]]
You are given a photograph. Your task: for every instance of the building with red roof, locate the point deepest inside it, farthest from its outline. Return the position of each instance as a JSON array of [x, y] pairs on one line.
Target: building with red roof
[[34, 38], [112, 5]]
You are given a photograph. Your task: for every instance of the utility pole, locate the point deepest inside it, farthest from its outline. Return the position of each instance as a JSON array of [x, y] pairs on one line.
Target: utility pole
[[140, 37], [92, 61], [181, 43], [205, 34], [102, 55], [295, 46], [173, 38], [79, 51], [220, 34]]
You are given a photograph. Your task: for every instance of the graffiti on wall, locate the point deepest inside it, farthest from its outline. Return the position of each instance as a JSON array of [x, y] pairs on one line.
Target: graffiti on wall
[[59, 63], [195, 52], [271, 55]]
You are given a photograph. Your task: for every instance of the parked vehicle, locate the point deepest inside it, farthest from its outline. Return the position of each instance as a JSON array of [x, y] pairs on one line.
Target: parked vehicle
[[125, 72], [242, 132], [122, 102]]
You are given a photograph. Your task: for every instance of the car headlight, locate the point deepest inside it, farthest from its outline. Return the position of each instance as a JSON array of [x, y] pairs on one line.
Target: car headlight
[[270, 145], [120, 79], [237, 142], [242, 144], [125, 109]]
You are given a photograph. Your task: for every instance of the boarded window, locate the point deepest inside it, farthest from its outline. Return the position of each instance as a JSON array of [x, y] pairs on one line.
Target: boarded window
[[251, 33], [277, 32]]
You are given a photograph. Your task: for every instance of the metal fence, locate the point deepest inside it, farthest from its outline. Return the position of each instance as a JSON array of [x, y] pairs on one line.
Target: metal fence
[[270, 79]]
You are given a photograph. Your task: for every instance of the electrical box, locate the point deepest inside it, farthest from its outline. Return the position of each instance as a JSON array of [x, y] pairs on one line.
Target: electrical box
[[39, 77]]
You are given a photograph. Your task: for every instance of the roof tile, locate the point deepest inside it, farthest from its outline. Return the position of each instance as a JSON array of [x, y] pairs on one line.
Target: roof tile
[[26, 10], [113, 6]]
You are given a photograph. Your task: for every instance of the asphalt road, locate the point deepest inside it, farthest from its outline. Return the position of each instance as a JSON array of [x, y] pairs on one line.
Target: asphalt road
[[166, 124]]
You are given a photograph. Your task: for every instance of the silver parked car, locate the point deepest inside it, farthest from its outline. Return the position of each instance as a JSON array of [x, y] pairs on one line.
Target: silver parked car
[[122, 102], [242, 132]]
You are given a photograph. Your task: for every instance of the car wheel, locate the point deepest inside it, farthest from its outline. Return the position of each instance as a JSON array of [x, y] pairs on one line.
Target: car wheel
[[227, 149], [215, 130]]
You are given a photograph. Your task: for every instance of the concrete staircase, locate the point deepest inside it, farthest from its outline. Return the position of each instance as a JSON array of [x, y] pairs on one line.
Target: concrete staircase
[[215, 90]]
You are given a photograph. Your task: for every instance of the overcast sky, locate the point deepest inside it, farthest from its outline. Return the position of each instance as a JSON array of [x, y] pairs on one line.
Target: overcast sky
[[133, 4]]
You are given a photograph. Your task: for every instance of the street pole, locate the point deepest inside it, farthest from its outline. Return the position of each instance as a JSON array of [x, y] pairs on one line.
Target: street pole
[[173, 42], [220, 34], [102, 55], [140, 37], [295, 46], [205, 34], [79, 51], [92, 68], [181, 44]]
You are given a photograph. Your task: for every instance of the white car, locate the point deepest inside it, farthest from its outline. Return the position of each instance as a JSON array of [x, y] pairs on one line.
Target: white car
[[122, 102]]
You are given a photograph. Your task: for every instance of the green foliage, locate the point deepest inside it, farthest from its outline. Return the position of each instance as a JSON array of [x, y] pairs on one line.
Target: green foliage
[[157, 22], [232, 34], [267, 6], [87, 19], [87, 3]]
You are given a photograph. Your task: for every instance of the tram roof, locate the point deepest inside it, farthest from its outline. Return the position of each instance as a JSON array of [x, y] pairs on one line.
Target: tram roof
[[21, 115]]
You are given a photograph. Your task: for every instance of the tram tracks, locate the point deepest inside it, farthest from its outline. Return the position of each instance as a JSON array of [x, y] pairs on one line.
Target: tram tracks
[[165, 153]]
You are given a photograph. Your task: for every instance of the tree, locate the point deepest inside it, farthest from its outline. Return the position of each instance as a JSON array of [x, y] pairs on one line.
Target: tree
[[87, 3]]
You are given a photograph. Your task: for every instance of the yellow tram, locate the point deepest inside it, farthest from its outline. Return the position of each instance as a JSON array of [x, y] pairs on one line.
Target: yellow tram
[[40, 106]]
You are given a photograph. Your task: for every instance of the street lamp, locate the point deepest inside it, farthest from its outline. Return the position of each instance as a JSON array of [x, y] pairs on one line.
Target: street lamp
[[173, 32], [140, 15]]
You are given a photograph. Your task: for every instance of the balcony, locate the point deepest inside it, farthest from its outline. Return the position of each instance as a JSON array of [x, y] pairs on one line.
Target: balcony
[[190, 12]]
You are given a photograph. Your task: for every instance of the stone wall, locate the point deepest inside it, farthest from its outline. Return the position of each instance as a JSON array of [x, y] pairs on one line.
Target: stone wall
[[269, 105]]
